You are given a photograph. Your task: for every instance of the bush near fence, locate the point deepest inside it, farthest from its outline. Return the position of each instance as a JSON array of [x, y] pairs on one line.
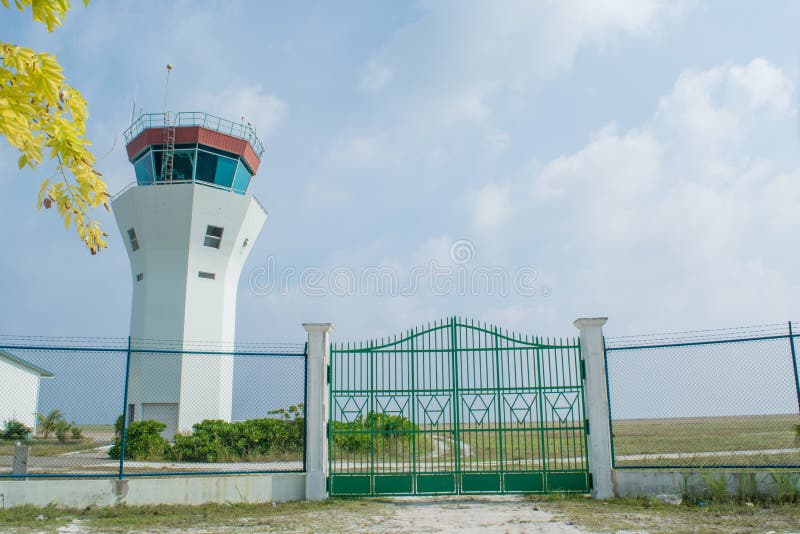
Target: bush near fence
[[214, 441], [361, 434]]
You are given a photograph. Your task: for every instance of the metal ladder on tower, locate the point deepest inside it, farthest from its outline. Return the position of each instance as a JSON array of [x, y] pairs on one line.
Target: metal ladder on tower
[[169, 150]]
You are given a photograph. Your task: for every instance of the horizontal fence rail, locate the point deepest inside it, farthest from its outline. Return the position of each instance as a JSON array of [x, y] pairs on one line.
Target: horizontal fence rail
[[65, 415], [705, 399]]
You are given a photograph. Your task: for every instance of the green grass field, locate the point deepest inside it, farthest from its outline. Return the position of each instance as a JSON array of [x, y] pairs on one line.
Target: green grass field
[[49, 447], [716, 435], [746, 441]]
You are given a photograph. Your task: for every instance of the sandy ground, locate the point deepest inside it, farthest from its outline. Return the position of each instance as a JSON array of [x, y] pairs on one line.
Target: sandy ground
[[513, 514], [484, 514]]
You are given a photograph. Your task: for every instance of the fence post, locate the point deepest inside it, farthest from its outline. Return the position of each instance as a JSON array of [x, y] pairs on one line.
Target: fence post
[[794, 365], [596, 397], [316, 459], [124, 430]]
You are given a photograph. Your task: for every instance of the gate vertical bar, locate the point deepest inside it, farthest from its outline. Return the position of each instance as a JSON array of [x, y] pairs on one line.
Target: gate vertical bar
[[794, 362], [371, 368], [542, 423], [456, 403], [413, 411], [497, 385], [125, 411]]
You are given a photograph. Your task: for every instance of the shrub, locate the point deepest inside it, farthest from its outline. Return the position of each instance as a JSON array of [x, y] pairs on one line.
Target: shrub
[[15, 430], [143, 442], [62, 429], [376, 428], [48, 423], [215, 440], [76, 431], [351, 436], [118, 426], [220, 441], [210, 441]]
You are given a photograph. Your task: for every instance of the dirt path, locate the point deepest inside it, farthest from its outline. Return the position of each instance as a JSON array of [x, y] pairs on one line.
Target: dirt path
[[478, 515]]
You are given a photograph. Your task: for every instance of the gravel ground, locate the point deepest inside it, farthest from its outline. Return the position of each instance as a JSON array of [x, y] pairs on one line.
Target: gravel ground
[[480, 514], [484, 514]]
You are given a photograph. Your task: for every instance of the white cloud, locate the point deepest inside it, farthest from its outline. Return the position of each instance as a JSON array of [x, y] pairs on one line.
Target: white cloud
[[492, 207], [498, 141], [678, 212], [765, 85], [247, 103], [360, 151], [469, 53], [718, 107], [376, 76]]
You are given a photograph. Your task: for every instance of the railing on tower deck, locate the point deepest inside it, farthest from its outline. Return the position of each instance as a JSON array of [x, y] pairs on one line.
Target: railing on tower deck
[[173, 182], [195, 118]]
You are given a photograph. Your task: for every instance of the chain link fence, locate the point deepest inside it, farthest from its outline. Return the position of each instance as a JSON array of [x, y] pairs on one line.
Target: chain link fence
[[721, 398], [189, 408]]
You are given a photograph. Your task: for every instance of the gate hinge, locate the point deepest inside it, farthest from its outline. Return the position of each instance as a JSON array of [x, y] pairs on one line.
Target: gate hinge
[[328, 374], [591, 481], [328, 428], [583, 369], [586, 424]]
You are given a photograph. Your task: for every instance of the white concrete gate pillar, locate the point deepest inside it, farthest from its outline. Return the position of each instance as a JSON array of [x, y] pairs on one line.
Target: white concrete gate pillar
[[596, 399], [317, 410]]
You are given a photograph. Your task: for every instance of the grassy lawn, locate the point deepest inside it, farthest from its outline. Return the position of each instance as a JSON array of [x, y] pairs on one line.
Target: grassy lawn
[[658, 517], [705, 434], [50, 446], [328, 516], [563, 446], [368, 515]]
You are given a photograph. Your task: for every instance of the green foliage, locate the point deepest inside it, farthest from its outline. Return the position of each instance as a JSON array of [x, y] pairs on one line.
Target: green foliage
[[787, 486], [143, 442], [48, 423], [374, 429], [62, 431], [220, 441], [40, 114], [15, 430], [118, 426], [215, 440], [55, 423]]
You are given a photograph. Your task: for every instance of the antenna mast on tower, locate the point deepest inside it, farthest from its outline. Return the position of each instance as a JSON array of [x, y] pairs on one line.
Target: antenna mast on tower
[[169, 135]]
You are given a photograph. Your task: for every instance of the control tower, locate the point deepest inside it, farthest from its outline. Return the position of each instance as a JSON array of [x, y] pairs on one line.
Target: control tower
[[188, 225]]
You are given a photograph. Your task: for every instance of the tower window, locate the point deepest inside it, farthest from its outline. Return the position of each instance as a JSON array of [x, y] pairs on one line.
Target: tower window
[[132, 239], [209, 276], [213, 236], [246, 242], [140, 277]]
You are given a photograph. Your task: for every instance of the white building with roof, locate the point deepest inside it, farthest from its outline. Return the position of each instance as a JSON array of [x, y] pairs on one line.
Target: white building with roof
[[19, 390]]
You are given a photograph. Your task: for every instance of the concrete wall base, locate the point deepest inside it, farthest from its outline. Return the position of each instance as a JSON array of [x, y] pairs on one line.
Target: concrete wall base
[[700, 483], [137, 491]]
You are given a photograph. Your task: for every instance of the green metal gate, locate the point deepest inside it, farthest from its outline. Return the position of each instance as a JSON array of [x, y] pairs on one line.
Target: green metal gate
[[457, 407]]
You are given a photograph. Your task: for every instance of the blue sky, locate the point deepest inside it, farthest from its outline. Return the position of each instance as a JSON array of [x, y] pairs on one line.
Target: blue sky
[[640, 157]]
